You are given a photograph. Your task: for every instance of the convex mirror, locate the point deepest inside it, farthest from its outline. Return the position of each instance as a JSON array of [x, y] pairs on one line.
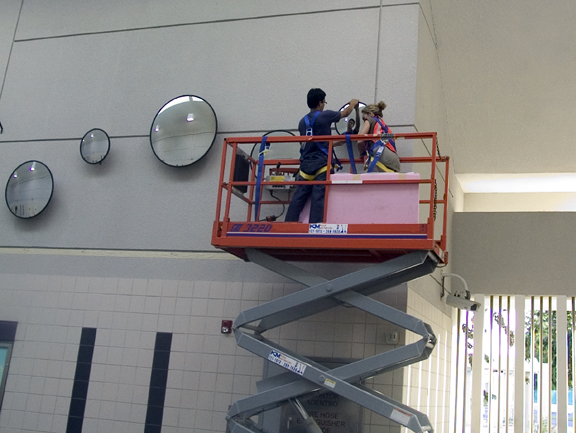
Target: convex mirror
[[344, 124], [183, 131], [29, 189], [94, 146]]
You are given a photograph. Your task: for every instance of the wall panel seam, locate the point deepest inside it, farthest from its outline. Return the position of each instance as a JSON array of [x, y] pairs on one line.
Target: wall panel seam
[[228, 20]]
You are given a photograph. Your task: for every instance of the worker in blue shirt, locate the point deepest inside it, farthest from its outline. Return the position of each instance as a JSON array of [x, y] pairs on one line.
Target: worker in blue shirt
[[314, 155]]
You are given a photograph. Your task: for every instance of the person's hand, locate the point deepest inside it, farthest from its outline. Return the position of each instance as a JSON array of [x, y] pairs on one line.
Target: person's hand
[[354, 102]]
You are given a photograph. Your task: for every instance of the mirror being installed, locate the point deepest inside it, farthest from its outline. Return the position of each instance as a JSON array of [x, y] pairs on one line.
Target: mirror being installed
[[183, 131], [94, 146], [350, 123], [29, 189]]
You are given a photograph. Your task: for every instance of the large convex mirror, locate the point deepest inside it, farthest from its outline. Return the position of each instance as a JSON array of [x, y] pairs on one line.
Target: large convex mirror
[[29, 189], [348, 123], [183, 131], [95, 146]]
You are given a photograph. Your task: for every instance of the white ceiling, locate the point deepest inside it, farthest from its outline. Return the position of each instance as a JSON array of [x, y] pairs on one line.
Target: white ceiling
[[509, 75]]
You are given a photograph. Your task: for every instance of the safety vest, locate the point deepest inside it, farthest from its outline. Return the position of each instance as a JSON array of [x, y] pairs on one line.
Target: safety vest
[[381, 128], [377, 148]]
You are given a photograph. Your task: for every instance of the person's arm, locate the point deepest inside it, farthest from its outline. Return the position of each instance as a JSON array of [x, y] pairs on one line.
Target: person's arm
[[353, 103], [364, 130], [357, 124]]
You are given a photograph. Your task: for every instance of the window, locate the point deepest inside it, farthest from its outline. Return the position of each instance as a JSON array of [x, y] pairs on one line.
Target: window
[[7, 337], [5, 352]]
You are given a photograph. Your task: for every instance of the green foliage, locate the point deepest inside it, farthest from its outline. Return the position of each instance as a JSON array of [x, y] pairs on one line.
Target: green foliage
[[540, 336]]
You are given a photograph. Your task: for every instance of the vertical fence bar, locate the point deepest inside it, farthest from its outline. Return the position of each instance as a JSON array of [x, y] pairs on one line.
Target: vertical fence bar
[[499, 373], [561, 361], [549, 359], [455, 388], [532, 355], [478, 367], [573, 327], [450, 414], [507, 378], [465, 373], [519, 421], [490, 363], [445, 395], [540, 362]]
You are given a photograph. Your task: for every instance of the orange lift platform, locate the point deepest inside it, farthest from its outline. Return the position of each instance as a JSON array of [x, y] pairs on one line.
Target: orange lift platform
[[394, 222], [234, 230]]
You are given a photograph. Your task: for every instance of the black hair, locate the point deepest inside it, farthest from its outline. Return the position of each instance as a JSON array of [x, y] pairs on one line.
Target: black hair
[[315, 96]]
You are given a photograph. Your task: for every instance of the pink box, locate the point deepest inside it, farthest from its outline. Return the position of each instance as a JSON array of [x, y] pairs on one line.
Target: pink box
[[350, 201]]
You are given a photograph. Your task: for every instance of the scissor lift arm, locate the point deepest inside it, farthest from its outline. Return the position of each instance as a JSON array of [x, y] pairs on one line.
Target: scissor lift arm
[[307, 376]]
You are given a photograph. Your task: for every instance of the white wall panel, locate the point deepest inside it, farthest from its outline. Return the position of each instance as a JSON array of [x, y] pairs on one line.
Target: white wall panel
[[9, 11], [255, 77], [430, 101], [397, 63], [72, 17], [524, 253], [61, 88], [130, 201], [426, 7]]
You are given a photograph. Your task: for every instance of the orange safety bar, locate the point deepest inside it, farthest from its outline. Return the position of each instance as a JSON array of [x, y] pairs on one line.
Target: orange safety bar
[[299, 241]]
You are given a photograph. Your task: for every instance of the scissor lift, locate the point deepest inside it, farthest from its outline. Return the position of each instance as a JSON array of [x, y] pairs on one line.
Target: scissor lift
[[398, 252]]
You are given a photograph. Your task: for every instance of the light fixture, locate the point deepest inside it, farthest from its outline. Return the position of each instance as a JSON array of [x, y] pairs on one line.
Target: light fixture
[[458, 298]]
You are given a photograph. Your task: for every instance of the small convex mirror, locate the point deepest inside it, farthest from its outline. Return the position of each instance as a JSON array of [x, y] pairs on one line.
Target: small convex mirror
[[348, 123], [29, 189], [183, 131], [94, 146]]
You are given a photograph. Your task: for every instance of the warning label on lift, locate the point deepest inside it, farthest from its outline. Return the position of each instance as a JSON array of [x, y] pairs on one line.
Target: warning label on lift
[[287, 362], [328, 229]]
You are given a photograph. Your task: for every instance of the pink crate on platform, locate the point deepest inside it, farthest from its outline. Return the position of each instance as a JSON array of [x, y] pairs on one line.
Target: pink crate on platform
[[353, 202]]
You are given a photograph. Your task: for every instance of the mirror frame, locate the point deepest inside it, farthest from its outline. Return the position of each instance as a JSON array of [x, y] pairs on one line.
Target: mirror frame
[[49, 198], [107, 150], [209, 147], [267, 134], [360, 106]]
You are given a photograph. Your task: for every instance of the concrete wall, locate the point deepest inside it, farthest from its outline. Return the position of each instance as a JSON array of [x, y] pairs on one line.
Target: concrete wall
[[59, 85], [525, 253], [123, 243], [430, 116]]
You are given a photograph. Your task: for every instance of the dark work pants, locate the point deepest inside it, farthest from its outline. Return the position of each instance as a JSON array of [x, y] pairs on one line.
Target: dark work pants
[[301, 195]]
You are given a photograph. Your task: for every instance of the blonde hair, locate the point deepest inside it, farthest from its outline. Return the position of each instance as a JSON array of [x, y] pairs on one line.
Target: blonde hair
[[375, 108]]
